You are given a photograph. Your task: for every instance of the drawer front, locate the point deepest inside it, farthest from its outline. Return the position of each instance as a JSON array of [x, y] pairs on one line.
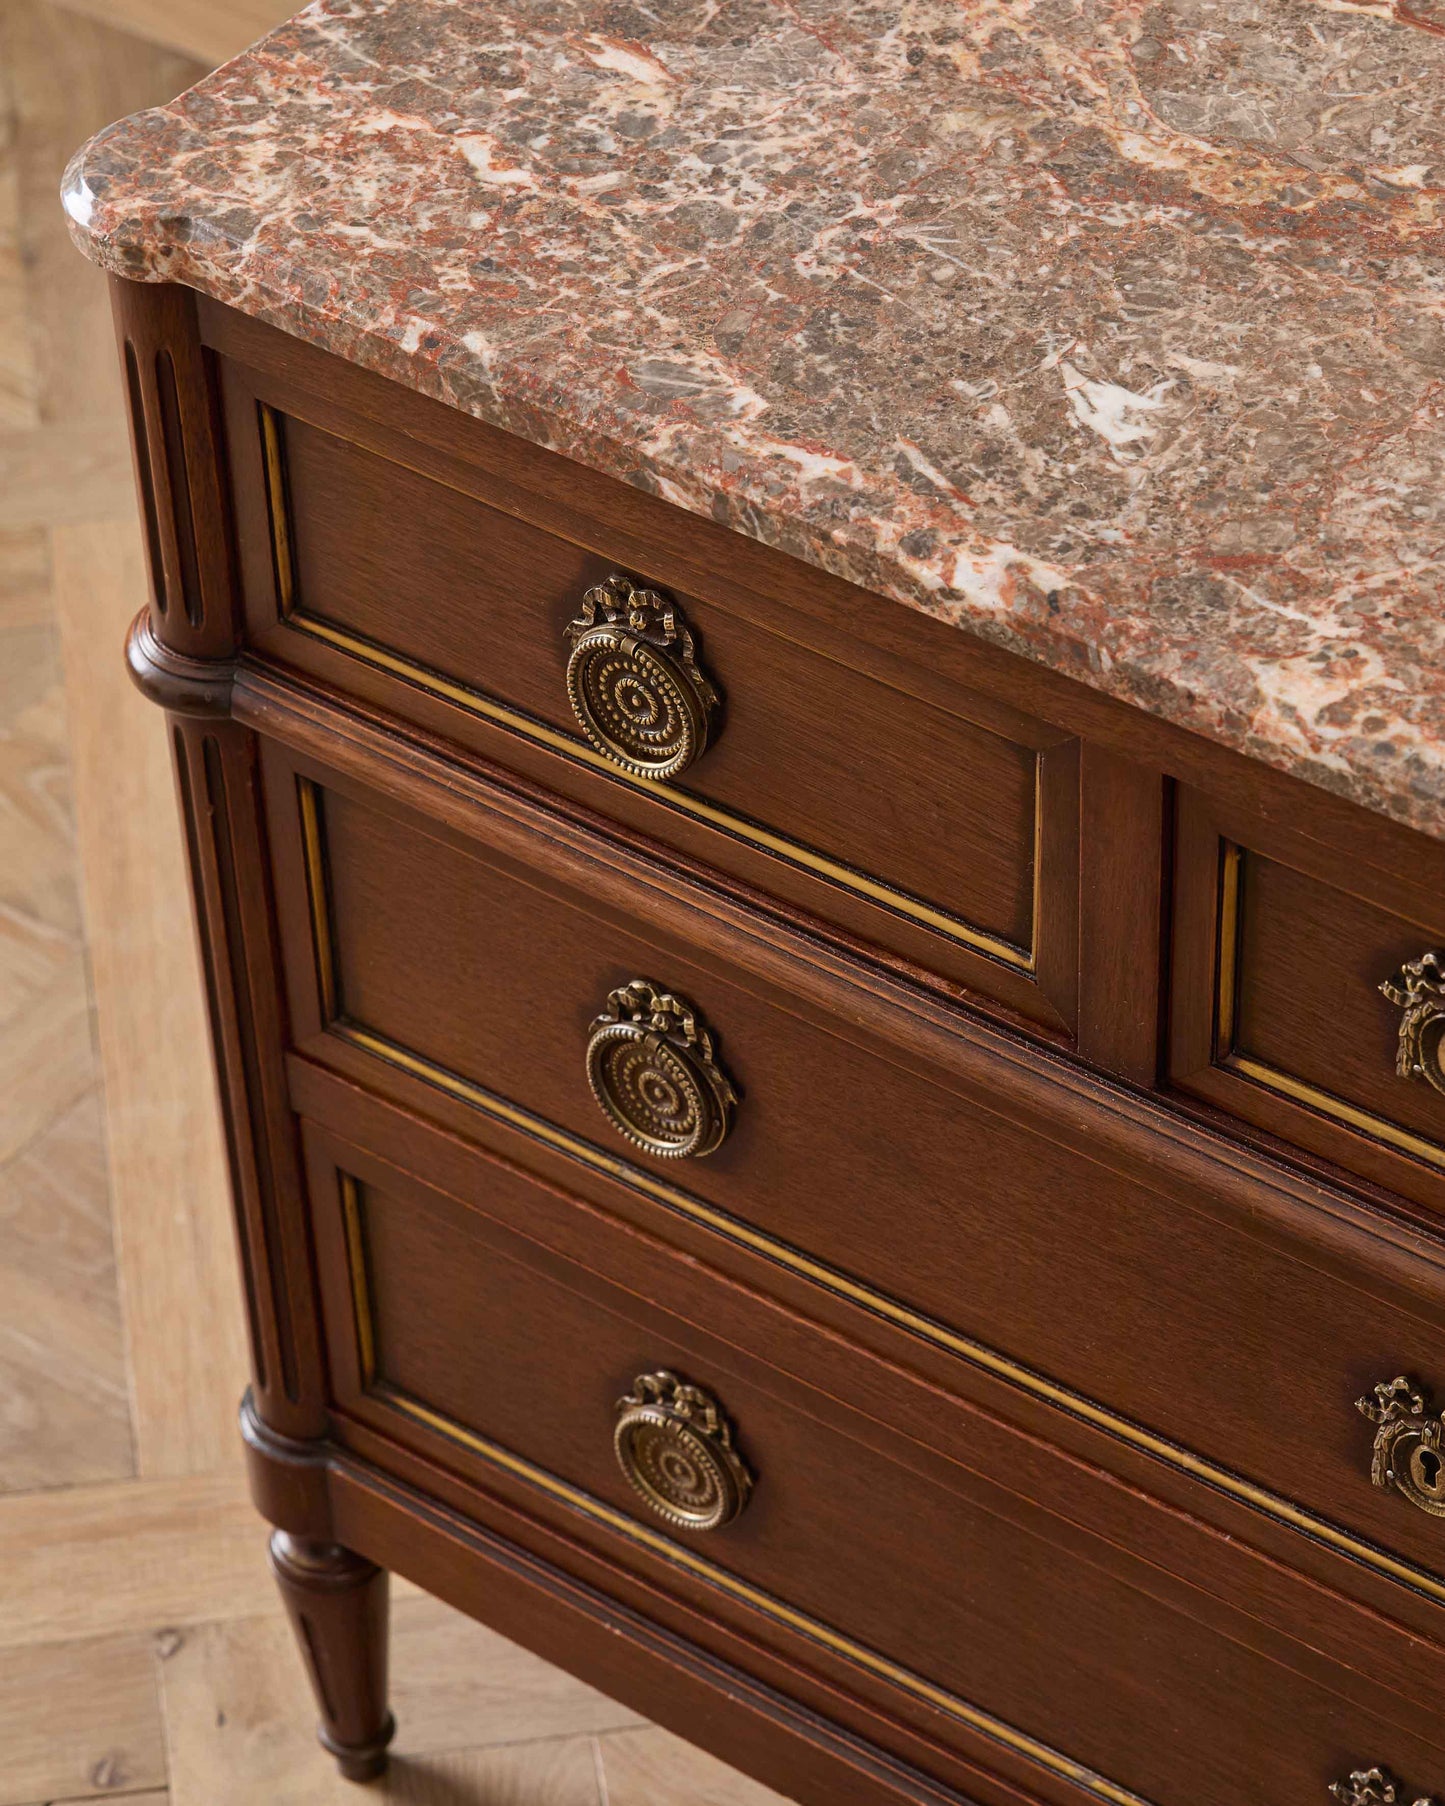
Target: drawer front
[[936, 824], [461, 1328], [1193, 1322], [1308, 996]]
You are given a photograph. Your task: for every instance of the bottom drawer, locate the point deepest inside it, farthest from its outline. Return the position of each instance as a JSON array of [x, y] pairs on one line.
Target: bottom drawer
[[512, 1332]]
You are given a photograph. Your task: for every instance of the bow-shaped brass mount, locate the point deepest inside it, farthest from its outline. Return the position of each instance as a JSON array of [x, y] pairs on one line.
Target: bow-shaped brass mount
[[1372, 1787], [1419, 990]]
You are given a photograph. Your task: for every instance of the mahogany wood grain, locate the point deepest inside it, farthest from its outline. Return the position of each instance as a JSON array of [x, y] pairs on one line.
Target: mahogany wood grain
[[1311, 961], [1077, 1482], [766, 1703], [1123, 838], [1176, 1321], [933, 1429], [971, 1600], [975, 1307], [914, 795], [1212, 1170], [180, 473]]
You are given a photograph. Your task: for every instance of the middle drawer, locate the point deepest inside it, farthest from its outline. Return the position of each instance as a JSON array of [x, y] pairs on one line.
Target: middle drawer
[[1082, 1245]]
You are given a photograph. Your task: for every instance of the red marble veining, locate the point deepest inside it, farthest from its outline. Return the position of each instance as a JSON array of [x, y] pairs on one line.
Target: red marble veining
[[1110, 330]]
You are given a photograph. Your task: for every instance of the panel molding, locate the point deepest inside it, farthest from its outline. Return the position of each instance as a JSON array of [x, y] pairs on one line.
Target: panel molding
[[678, 1555], [296, 618], [1232, 878]]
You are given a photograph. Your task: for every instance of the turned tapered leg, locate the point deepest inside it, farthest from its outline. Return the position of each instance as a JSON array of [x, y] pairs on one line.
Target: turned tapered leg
[[337, 1603]]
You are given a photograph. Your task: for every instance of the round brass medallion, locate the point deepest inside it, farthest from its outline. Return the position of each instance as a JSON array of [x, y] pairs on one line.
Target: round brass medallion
[[675, 1446], [651, 1068], [635, 705], [635, 683]]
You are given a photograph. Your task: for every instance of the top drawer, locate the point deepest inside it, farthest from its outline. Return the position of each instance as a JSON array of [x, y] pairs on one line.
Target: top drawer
[[938, 824]]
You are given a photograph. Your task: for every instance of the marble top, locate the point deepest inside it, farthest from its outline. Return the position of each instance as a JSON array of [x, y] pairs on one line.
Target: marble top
[[1112, 331]]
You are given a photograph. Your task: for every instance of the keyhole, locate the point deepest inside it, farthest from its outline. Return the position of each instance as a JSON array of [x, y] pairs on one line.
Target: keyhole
[[1428, 1471]]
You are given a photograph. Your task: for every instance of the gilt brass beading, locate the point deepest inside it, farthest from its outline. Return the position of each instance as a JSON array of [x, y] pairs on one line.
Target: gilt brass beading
[[1419, 990], [635, 683], [676, 1447], [1409, 1454], [651, 1067]]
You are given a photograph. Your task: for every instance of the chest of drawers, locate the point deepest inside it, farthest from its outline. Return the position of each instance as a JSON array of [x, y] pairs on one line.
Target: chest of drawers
[[868, 1182]]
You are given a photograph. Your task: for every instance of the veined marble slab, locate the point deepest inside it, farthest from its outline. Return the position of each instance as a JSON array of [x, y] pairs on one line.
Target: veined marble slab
[[1112, 331]]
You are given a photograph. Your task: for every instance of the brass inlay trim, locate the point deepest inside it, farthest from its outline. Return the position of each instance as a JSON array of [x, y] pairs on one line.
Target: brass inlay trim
[[977, 1354], [1329, 1105], [657, 1544], [572, 747], [360, 1284], [1324, 1103], [795, 851], [273, 458], [1230, 878], [316, 893]]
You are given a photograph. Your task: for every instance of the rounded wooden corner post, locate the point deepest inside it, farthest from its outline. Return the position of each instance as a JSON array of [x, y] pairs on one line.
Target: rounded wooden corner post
[[182, 653]]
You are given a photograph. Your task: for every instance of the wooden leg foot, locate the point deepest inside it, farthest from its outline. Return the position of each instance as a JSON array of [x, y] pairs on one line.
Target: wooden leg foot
[[360, 1764], [337, 1603]]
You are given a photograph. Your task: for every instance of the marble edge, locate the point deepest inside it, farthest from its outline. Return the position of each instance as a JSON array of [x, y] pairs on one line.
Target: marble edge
[[160, 244]]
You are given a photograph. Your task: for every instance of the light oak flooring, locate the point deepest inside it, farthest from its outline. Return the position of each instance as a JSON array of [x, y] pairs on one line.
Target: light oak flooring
[[142, 1654]]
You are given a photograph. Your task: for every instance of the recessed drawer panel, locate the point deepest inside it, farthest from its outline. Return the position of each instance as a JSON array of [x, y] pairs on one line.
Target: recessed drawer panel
[[1210, 1321], [937, 824], [474, 1331], [1308, 995], [927, 804]]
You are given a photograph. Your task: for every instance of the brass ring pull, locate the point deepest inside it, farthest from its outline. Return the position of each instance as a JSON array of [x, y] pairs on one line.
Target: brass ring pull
[[1372, 1787], [676, 1447], [635, 683], [1409, 1454], [1419, 989], [651, 1067]]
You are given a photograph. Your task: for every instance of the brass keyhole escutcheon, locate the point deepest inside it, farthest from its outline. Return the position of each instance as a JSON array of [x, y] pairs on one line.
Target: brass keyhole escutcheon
[[652, 1069], [635, 683], [1409, 1452], [1427, 1473], [676, 1448]]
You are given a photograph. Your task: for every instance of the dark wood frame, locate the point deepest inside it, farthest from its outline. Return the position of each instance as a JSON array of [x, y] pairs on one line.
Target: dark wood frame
[[348, 1507]]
